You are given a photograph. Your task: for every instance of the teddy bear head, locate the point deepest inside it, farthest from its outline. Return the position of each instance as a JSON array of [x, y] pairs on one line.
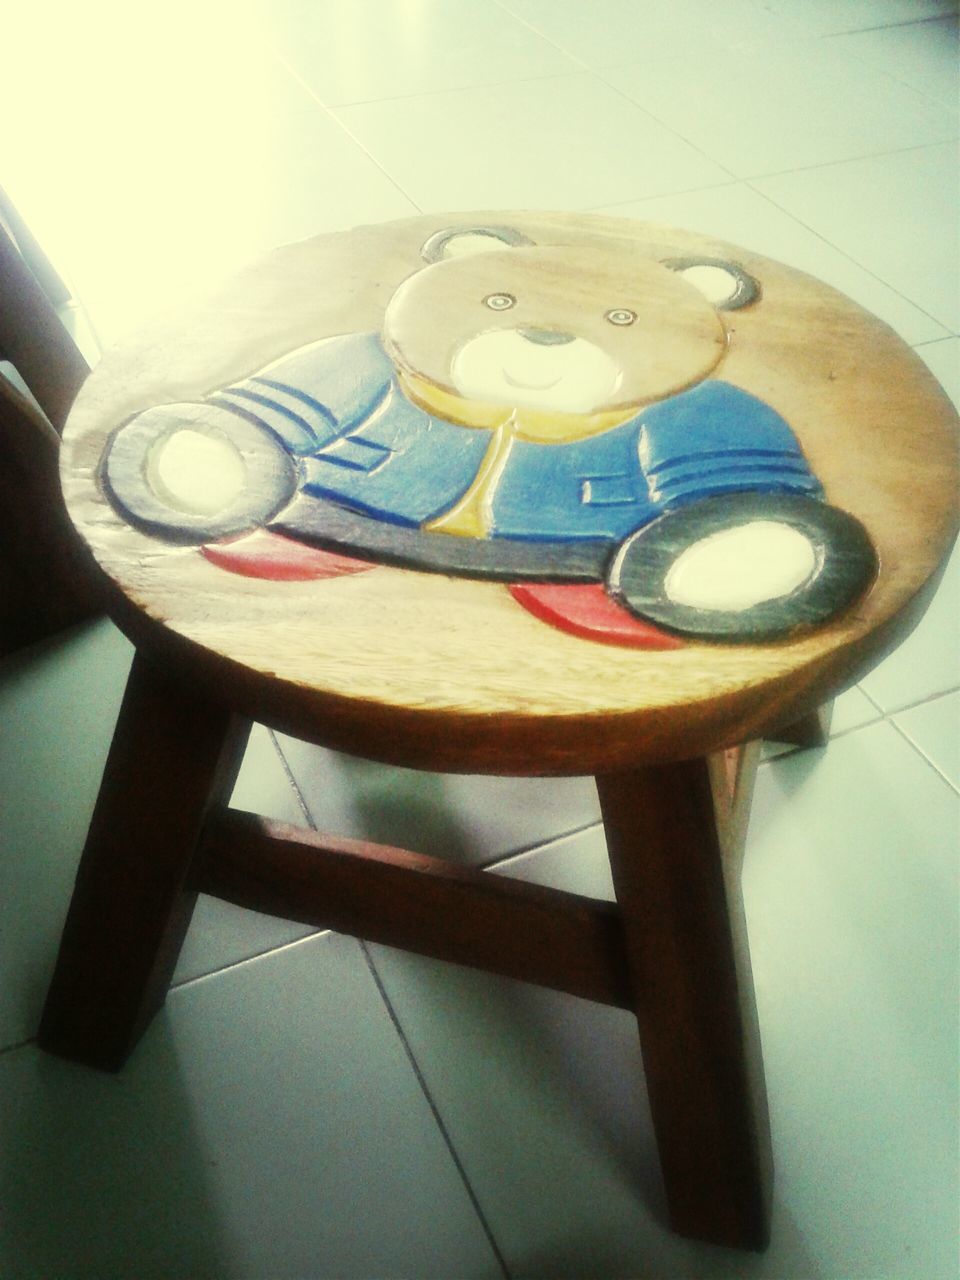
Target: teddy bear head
[[571, 337]]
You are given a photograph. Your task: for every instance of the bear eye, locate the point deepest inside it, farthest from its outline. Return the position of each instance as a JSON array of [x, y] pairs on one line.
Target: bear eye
[[499, 301], [621, 316]]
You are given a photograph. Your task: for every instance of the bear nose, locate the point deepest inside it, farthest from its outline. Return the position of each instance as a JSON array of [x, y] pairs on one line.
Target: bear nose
[[546, 337]]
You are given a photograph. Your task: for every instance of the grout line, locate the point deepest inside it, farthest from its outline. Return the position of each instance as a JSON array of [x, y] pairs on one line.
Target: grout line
[[457, 88], [20, 1044], [260, 955], [891, 26], [435, 1110], [790, 213], [347, 132], [541, 35], [613, 205], [888, 718], [676, 134], [288, 773], [920, 702], [497, 860], [873, 702], [930, 342], [791, 749], [865, 61], [284, 946], [504, 859], [834, 164], [855, 728], [923, 755]]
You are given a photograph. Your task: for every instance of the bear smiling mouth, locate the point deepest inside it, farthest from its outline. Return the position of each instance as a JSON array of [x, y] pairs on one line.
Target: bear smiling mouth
[[526, 385]]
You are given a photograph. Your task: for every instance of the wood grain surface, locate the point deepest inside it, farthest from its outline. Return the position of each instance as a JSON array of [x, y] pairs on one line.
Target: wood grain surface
[[441, 672]]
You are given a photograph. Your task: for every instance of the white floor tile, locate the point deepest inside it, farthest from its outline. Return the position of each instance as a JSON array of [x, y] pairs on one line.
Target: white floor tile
[[621, 32], [270, 1124], [567, 142], [851, 896], [852, 709], [934, 728], [776, 104], [830, 16], [943, 360], [544, 1099], [261, 182], [58, 707], [924, 55], [850, 887], [374, 49], [926, 664], [745, 217], [905, 232], [221, 934], [467, 819], [178, 188]]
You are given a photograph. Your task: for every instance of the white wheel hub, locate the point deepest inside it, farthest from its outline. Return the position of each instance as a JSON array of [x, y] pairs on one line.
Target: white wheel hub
[[745, 565], [195, 472]]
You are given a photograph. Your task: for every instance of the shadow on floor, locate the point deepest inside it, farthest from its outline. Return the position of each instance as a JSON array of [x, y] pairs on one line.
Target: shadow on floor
[[103, 1176]]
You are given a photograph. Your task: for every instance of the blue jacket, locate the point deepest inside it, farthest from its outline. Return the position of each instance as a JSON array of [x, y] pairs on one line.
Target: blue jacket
[[337, 405]]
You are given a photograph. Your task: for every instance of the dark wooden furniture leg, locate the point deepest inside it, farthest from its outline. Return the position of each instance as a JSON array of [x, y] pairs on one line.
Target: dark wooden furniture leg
[[32, 336], [174, 753], [684, 929], [47, 577], [811, 730]]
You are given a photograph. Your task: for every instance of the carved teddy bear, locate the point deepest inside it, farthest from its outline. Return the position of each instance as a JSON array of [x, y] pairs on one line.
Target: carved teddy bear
[[550, 416]]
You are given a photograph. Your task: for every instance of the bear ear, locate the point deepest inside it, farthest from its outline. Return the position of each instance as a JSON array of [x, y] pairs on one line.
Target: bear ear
[[723, 283], [459, 242]]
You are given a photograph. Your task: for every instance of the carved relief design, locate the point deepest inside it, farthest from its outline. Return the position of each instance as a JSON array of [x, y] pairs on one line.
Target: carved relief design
[[549, 416]]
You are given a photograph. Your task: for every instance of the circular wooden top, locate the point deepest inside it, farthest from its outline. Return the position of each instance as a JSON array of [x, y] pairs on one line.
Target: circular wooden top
[[452, 672]]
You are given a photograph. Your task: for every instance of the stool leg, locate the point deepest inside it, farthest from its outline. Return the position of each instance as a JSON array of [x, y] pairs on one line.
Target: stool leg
[[811, 730], [685, 934], [173, 754]]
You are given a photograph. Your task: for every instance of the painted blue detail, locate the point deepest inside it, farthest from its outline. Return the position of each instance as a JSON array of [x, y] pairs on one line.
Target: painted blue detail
[[364, 445], [269, 409], [401, 465], [347, 497], [688, 482], [357, 454], [348, 376], [258, 420], [710, 440], [564, 490], [335, 384], [710, 484], [711, 418], [293, 393], [608, 491], [717, 439]]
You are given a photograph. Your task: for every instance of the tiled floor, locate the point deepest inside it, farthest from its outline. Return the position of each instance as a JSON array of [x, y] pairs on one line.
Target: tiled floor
[[308, 1106]]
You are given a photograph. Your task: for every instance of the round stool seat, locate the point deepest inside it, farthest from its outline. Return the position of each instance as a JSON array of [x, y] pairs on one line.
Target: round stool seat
[[469, 618]]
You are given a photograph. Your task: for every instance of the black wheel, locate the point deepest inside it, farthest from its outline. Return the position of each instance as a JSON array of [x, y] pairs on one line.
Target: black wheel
[[744, 567], [192, 473]]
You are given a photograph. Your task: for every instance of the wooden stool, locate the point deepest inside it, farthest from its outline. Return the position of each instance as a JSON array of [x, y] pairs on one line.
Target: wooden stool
[[518, 494]]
